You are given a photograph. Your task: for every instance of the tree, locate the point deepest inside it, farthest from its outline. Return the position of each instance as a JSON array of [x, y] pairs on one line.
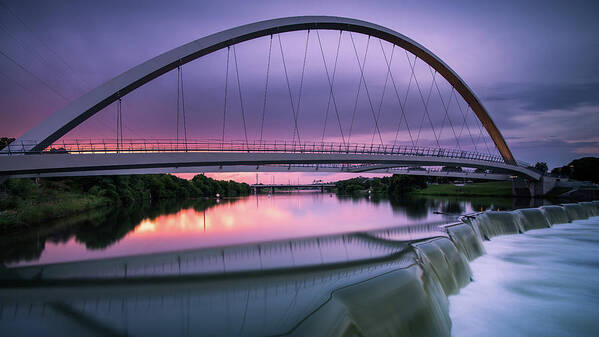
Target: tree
[[4, 141], [585, 169], [541, 166]]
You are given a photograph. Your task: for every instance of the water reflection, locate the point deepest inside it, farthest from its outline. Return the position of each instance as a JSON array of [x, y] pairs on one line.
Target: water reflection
[[287, 287], [179, 225], [94, 230], [379, 280]]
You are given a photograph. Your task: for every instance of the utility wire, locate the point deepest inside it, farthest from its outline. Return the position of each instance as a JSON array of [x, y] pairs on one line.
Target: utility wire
[[41, 41], [34, 76]]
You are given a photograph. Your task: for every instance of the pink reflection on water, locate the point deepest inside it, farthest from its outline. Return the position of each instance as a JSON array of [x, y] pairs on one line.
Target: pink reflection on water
[[251, 219]]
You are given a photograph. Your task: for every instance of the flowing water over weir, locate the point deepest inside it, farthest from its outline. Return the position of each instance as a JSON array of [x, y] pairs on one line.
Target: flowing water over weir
[[386, 282]]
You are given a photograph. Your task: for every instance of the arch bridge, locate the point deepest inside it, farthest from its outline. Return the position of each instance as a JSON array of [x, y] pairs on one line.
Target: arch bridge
[[395, 146]]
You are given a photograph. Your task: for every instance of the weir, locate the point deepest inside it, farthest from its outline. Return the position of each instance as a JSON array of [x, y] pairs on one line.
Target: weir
[[392, 282]]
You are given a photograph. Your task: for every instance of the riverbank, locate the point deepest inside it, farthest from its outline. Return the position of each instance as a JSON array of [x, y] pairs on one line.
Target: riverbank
[[49, 206], [398, 185], [483, 189], [26, 203]]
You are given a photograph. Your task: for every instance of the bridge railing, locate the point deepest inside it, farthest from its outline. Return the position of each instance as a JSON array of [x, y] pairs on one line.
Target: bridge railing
[[79, 146]]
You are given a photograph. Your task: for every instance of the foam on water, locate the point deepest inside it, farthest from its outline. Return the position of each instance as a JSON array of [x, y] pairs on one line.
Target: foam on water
[[541, 283]]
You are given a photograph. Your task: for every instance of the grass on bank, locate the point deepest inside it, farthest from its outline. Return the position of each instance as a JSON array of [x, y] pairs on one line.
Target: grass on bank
[[494, 188], [27, 202], [54, 206]]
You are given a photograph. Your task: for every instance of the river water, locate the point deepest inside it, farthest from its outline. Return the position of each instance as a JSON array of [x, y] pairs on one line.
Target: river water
[[209, 223], [544, 282], [307, 264]]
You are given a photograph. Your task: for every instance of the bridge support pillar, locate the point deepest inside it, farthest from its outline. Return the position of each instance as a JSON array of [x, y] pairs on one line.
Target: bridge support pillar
[[529, 188]]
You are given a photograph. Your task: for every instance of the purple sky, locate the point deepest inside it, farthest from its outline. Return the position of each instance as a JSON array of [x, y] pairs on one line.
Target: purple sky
[[533, 64]]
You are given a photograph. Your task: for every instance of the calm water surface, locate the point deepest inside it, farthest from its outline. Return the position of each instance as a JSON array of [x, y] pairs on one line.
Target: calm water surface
[[209, 223]]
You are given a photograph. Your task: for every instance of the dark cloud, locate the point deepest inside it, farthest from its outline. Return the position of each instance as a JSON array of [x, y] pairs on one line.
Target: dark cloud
[[547, 96]]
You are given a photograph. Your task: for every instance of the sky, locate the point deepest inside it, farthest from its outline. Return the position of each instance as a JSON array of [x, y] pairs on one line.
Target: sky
[[533, 64]]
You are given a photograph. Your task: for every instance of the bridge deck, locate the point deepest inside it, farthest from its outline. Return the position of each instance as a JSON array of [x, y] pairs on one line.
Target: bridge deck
[[138, 157]]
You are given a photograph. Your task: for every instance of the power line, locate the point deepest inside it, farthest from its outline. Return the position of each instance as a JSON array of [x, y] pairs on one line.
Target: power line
[[43, 43], [34, 75]]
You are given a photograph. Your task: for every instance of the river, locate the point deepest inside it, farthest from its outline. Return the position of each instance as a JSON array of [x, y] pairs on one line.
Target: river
[[307, 264]]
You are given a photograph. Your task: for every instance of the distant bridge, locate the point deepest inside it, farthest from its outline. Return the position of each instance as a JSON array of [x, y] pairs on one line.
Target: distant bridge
[[313, 186], [43, 152]]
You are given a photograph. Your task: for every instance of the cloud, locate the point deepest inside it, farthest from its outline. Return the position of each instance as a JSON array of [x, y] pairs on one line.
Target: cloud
[[547, 96]]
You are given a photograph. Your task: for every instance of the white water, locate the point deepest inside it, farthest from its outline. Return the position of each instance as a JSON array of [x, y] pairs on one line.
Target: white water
[[544, 282]]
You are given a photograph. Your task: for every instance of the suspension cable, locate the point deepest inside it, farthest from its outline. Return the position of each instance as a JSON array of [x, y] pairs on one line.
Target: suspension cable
[[378, 117], [299, 98], [324, 128], [465, 123], [119, 125], [183, 106], [425, 103], [266, 88], [178, 100], [332, 95], [240, 99], [424, 115], [353, 115], [118, 122], [289, 89], [446, 108], [402, 106], [480, 128], [361, 66], [225, 104], [121, 119]]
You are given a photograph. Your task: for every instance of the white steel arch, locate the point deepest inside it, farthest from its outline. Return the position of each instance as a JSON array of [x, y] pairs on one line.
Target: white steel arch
[[61, 122]]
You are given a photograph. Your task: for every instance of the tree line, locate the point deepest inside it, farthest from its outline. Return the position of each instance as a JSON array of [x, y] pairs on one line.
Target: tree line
[[393, 185]]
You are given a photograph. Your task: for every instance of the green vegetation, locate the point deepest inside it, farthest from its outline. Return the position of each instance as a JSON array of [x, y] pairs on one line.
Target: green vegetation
[[24, 202], [394, 185], [557, 191], [542, 166], [583, 169], [97, 229], [496, 189], [398, 185], [4, 141]]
